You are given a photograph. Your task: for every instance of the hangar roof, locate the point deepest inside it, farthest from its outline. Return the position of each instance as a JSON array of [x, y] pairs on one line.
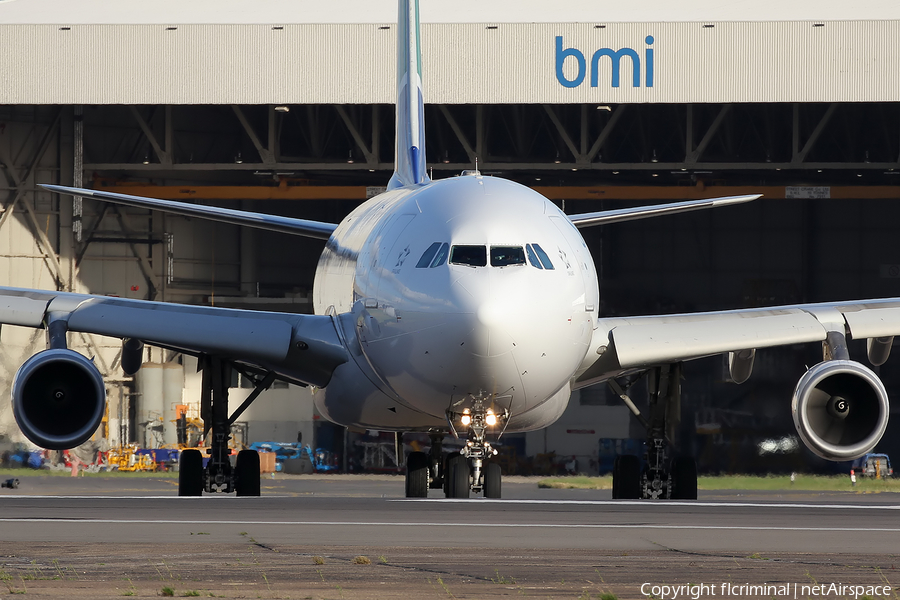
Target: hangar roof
[[137, 12], [343, 52]]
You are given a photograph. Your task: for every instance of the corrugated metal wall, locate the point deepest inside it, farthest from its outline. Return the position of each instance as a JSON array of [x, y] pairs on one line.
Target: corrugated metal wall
[[463, 63]]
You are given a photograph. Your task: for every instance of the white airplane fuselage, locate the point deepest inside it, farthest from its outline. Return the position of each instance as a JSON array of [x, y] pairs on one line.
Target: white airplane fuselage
[[427, 333]]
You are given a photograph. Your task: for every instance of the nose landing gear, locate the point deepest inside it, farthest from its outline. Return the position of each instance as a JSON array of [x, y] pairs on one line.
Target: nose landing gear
[[470, 470], [482, 474]]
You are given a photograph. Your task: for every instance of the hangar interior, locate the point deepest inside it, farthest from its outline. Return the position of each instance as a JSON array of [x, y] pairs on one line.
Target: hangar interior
[[829, 170]]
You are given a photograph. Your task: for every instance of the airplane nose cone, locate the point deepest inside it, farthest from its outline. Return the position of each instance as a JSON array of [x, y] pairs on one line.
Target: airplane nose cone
[[489, 312]]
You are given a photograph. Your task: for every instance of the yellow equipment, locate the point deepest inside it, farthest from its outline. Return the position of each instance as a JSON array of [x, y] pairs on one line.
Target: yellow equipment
[[125, 458]]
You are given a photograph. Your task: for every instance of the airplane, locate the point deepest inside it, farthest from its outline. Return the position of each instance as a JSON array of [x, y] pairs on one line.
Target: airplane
[[467, 305]]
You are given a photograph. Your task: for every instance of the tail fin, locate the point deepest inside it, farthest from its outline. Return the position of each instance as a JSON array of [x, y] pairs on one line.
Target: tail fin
[[409, 149]]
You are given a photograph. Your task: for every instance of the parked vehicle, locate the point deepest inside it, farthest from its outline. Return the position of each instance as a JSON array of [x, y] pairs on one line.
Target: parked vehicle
[[876, 466]]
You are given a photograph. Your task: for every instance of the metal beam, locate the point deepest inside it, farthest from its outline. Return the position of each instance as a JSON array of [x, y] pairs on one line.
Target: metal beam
[[90, 234], [689, 130], [607, 131], [271, 133], [44, 243], [694, 156], [264, 154], [376, 135], [584, 130], [572, 192], [551, 112], [800, 156], [146, 267], [164, 156], [480, 151], [299, 167], [20, 189], [354, 132], [169, 132], [459, 133]]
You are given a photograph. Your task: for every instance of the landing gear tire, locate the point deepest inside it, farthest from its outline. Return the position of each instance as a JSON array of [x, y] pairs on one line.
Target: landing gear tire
[[446, 482], [190, 473], [492, 478], [246, 473], [417, 464], [458, 471], [684, 478], [627, 478]]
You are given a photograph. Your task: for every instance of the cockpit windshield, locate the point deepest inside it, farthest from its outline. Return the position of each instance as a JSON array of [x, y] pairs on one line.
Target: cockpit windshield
[[473, 256], [505, 256]]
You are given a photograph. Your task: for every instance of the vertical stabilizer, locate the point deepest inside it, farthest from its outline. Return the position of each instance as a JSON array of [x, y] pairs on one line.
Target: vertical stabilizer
[[409, 149]]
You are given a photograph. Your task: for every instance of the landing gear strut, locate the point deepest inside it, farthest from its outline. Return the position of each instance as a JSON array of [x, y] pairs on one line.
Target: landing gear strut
[[481, 474], [426, 471], [663, 476], [218, 475], [459, 473]]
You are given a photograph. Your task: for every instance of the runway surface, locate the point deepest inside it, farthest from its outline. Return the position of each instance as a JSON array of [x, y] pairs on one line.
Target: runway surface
[[344, 511], [565, 531]]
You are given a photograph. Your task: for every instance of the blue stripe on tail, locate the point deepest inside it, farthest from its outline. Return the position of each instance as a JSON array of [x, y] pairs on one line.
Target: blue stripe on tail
[[409, 149]]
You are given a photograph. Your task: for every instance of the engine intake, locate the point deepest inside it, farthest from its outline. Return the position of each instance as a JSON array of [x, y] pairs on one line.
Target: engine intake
[[58, 399], [840, 409]]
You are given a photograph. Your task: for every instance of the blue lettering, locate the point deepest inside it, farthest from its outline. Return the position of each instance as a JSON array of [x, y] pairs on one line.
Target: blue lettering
[[615, 57], [561, 56]]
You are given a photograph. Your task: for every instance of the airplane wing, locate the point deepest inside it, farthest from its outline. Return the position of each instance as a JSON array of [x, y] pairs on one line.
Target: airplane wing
[[642, 212], [628, 344], [300, 348], [313, 229]]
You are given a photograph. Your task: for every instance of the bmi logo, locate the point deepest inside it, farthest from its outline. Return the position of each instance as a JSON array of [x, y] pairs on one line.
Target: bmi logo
[[598, 64]]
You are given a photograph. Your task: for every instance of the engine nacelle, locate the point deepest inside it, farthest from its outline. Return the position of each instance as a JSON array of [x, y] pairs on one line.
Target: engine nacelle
[[840, 409], [58, 399]]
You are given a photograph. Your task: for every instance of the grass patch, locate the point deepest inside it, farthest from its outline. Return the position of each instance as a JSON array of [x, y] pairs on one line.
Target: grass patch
[[362, 560], [503, 579], [167, 591], [318, 560], [812, 483], [604, 482]]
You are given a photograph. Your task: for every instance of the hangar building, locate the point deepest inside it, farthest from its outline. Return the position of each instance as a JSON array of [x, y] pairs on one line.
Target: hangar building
[[286, 107]]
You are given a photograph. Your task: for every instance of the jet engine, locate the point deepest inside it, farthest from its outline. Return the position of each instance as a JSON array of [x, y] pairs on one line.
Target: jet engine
[[840, 409], [58, 398]]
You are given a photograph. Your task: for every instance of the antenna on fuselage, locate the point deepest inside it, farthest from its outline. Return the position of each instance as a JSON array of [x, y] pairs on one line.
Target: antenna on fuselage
[[470, 172]]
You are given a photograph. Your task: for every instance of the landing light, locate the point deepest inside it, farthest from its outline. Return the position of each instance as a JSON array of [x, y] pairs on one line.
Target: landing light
[[490, 418]]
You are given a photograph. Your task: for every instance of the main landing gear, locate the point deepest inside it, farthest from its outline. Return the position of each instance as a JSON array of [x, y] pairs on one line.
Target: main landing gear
[[663, 476], [218, 475], [471, 470]]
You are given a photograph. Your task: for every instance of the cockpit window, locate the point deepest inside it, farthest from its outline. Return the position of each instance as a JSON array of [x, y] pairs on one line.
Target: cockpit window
[[441, 257], [545, 260], [428, 256], [435, 256], [532, 257], [473, 256], [505, 256]]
